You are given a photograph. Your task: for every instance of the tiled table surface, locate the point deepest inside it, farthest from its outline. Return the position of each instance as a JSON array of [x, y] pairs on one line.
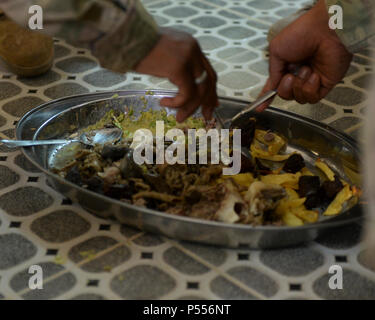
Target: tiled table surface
[[86, 257]]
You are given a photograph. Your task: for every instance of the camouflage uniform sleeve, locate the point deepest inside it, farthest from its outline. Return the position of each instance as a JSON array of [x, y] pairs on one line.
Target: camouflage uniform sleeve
[[120, 33], [358, 28]]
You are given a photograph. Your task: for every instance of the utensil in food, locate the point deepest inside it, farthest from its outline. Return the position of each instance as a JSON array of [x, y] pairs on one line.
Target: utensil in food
[[102, 136], [241, 119]]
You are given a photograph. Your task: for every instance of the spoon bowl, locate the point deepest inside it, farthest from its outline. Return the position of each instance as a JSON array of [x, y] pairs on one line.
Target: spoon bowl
[[94, 137]]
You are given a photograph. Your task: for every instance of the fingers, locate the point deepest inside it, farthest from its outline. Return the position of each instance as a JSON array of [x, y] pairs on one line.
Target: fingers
[[267, 87], [210, 101], [305, 87], [191, 95], [285, 89], [299, 81], [312, 89], [276, 73]]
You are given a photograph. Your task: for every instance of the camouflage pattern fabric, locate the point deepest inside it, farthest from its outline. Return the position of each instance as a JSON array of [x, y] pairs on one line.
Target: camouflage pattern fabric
[[358, 17], [120, 33]]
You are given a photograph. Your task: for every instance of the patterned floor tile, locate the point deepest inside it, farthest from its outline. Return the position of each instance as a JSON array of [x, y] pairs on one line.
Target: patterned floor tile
[[14, 250], [25, 201], [142, 282], [60, 226]]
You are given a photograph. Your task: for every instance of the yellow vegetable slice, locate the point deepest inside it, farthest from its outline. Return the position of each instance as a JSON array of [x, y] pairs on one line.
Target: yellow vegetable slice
[[327, 171], [292, 194], [289, 180], [335, 206], [287, 204], [274, 146], [306, 172], [307, 215], [257, 148], [243, 179], [258, 152], [291, 220]]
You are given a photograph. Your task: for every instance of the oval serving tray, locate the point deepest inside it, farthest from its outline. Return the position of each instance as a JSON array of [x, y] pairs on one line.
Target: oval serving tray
[[60, 118]]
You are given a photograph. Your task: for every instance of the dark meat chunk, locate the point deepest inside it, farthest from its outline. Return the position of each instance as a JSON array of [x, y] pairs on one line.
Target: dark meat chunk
[[119, 191], [129, 169], [193, 196], [247, 133], [294, 163], [247, 164], [308, 185], [95, 184], [314, 200], [331, 188], [74, 176], [114, 152]]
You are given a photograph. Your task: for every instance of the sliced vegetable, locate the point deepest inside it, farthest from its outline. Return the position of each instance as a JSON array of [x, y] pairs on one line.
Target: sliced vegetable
[[336, 205], [292, 220], [270, 139], [243, 179], [285, 179], [327, 171]]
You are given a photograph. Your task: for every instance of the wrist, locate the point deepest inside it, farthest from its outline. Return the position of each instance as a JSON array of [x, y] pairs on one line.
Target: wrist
[[321, 19]]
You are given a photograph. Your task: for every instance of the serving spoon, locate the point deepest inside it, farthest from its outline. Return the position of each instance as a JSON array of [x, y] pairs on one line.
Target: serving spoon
[[94, 137], [241, 119]]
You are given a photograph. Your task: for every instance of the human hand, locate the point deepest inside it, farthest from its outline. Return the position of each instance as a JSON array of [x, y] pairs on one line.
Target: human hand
[[309, 46], [178, 57]]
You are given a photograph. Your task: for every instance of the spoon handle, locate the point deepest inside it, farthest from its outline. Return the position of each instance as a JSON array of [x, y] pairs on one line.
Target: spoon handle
[[252, 106], [28, 143]]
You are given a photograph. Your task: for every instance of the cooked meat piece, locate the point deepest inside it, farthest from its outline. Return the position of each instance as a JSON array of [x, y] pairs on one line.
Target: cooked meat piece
[[139, 185], [294, 163], [247, 133], [172, 176], [95, 184], [155, 181], [140, 202], [263, 197], [119, 191], [193, 196], [91, 164], [232, 205], [155, 195], [269, 136], [129, 169], [114, 152], [247, 164], [308, 185], [313, 200], [317, 199], [331, 188], [110, 175], [209, 173], [220, 202], [74, 176]]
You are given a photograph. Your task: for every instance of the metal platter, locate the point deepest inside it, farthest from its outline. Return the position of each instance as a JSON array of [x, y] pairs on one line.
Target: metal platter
[[60, 118]]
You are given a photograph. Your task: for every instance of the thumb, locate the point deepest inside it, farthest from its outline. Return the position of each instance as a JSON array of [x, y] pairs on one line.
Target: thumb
[[276, 72]]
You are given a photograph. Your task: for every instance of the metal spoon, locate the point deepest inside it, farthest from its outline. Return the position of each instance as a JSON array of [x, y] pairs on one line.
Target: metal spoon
[[240, 119], [102, 136]]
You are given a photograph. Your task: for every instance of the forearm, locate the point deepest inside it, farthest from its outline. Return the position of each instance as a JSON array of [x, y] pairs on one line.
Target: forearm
[[119, 36], [358, 17]]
